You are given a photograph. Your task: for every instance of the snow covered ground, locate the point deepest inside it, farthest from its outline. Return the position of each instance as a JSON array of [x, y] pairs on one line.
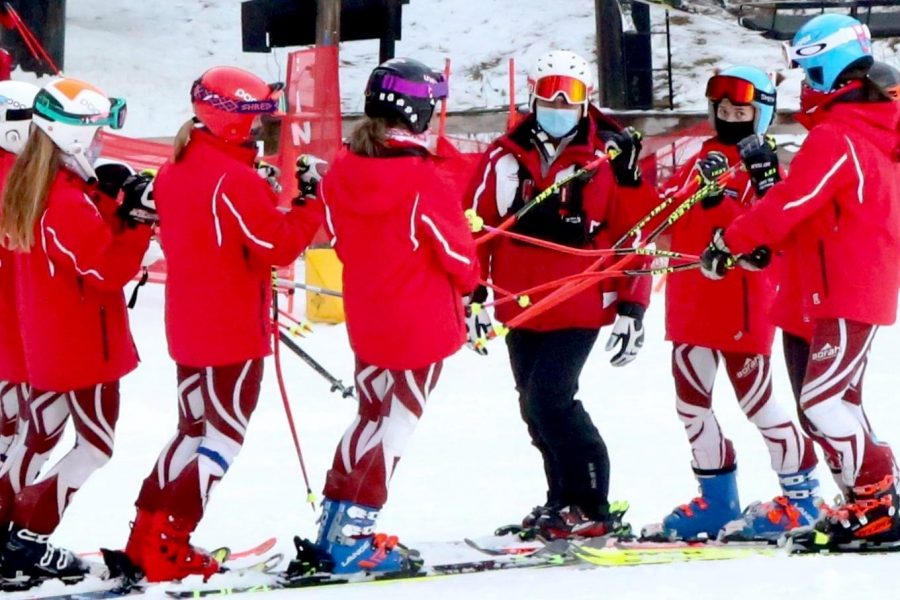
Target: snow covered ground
[[470, 467], [150, 52]]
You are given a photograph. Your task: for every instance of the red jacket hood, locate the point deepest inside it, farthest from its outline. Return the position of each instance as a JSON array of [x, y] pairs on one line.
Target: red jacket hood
[[372, 186]]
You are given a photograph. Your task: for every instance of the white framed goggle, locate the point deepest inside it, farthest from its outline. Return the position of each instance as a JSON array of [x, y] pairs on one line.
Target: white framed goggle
[[840, 37]]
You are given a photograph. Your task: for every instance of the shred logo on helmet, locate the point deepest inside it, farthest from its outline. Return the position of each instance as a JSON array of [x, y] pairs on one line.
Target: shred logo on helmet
[[405, 90], [16, 102], [827, 46], [228, 100]]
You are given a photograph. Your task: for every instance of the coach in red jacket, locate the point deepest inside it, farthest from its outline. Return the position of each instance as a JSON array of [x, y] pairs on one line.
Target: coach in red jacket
[[839, 209], [548, 352], [221, 232]]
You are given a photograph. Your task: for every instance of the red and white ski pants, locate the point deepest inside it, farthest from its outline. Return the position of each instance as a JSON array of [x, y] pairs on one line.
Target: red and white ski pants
[[694, 369], [831, 403], [39, 505], [13, 415], [391, 403], [214, 408]]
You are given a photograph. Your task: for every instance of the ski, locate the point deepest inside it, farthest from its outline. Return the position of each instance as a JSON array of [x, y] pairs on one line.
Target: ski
[[118, 587], [807, 540]]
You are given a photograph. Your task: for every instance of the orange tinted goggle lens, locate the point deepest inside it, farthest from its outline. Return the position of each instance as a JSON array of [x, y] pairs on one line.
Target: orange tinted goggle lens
[[548, 88], [736, 90]]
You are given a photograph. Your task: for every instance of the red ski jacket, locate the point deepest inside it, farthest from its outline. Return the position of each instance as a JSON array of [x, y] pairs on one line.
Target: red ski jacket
[[590, 215], [69, 289], [408, 257], [12, 358], [221, 232], [838, 211], [732, 314]]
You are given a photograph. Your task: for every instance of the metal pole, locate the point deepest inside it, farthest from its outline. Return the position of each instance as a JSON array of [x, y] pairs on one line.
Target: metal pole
[[669, 63], [328, 23]]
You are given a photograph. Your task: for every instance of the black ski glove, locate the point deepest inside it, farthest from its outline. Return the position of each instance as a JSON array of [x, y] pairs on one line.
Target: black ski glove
[[138, 207], [111, 176], [718, 258], [270, 173], [759, 157], [710, 168], [624, 148]]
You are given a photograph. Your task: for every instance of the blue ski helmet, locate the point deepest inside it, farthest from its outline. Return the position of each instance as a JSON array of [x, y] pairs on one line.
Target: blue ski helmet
[[828, 45], [761, 90]]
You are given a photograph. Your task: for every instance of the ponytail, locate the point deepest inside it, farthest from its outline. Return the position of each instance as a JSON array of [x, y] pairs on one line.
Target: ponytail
[[27, 187], [182, 138]]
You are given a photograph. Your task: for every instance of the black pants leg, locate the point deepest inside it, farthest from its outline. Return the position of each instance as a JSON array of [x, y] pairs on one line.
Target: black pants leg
[[546, 367]]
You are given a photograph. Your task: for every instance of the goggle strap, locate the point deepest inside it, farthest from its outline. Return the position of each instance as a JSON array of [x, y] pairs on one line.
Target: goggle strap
[[437, 90]]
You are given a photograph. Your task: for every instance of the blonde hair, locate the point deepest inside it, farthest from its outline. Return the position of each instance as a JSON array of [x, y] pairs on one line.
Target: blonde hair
[[182, 138], [368, 136], [27, 187]]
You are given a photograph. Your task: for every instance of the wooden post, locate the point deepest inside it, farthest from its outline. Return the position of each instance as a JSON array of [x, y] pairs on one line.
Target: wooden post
[[610, 66], [328, 23]]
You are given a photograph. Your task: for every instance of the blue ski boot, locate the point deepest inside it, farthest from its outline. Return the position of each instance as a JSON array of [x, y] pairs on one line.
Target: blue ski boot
[[704, 516], [799, 506], [347, 535]]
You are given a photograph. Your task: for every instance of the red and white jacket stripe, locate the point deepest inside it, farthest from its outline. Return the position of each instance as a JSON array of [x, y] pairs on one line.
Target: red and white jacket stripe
[[408, 257], [69, 289], [221, 232]]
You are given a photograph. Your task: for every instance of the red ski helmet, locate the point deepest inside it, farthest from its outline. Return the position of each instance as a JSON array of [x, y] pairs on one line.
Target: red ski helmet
[[227, 100]]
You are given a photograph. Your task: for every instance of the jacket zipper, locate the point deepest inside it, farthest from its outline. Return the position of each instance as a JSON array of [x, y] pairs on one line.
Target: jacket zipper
[[103, 334], [822, 266]]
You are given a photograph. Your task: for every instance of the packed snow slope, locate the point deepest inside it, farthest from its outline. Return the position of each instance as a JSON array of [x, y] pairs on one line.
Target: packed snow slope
[[150, 52], [470, 468]]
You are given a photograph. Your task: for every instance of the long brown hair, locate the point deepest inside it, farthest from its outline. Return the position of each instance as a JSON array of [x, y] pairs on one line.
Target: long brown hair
[[27, 187], [182, 138], [369, 135]]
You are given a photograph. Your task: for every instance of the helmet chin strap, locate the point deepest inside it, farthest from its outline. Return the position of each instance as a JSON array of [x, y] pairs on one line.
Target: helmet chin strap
[[78, 162]]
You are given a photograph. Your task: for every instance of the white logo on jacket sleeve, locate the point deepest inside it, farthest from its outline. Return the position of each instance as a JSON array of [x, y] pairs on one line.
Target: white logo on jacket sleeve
[[507, 182]]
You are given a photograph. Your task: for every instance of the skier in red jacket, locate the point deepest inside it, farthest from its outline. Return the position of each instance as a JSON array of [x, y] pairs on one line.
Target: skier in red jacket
[[221, 233], [838, 212], [74, 252], [406, 250], [710, 322], [15, 121], [547, 353]]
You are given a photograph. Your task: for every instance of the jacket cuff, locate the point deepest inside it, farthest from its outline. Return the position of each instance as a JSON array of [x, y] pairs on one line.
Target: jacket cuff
[[631, 309]]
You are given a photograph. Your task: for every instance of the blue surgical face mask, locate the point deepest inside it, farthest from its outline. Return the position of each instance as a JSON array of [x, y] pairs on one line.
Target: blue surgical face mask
[[558, 122]]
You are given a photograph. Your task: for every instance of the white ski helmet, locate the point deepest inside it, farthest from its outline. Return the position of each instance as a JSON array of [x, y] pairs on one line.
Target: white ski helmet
[[71, 112], [561, 72], [16, 102]]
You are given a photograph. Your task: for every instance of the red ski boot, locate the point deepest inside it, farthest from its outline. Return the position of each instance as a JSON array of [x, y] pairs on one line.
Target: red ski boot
[[167, 553]]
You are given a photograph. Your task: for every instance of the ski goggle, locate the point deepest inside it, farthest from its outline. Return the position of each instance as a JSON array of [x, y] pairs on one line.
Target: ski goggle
[[45, 105], [794, 54], [437, 90], [548, 88], [200, 93], [739, 91]]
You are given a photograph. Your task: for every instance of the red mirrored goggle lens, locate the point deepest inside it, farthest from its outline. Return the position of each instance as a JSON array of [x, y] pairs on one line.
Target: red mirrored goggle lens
[[737, 90], [548, 88]]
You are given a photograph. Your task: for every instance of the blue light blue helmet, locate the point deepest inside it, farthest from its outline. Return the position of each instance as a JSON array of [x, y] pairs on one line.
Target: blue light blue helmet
[[828, 45], [762, 92]]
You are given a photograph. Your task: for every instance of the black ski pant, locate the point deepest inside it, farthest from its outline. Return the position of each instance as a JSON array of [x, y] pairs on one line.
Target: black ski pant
[[546, 366]]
